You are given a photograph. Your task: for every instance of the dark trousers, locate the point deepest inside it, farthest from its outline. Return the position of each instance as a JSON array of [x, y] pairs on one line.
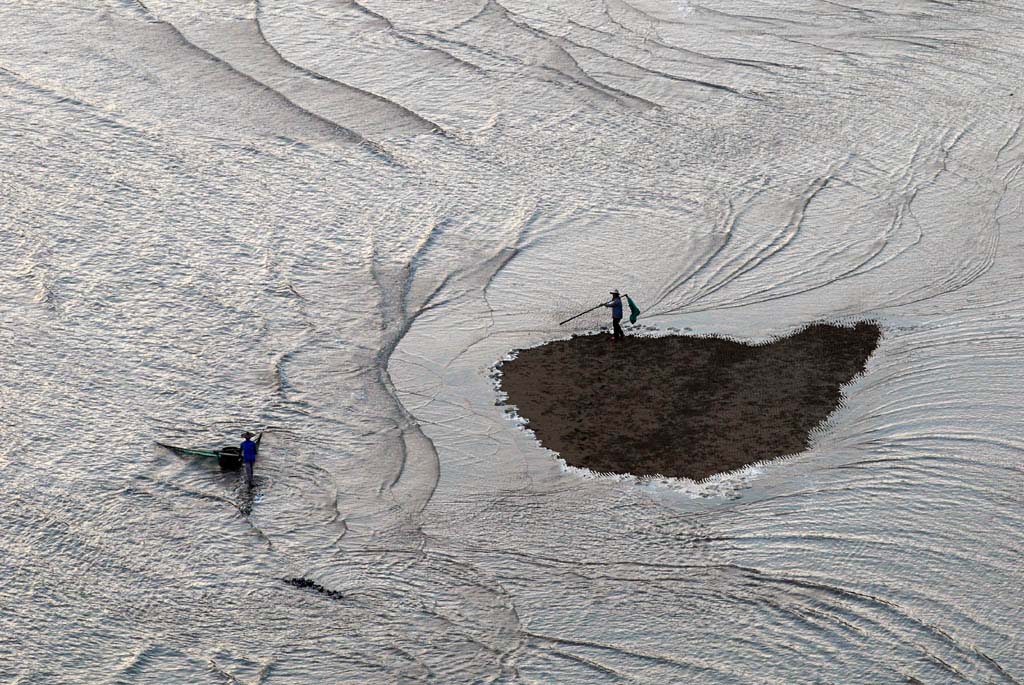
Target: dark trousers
[[617, 328], [248, 473]]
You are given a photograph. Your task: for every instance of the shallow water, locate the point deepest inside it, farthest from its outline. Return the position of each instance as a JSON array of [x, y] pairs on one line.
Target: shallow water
[[332, 218]]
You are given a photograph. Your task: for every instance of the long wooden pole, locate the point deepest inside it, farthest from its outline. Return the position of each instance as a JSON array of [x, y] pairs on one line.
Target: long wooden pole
[[581, 314]]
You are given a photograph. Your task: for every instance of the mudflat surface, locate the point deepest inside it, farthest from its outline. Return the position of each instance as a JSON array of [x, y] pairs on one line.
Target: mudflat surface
[[683, 406], [213, 246]]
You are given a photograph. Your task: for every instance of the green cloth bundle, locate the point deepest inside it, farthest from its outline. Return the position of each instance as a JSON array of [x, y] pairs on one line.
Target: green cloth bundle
[[634, 311]]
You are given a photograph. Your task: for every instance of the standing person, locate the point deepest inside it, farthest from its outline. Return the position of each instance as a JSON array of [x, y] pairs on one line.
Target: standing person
[[248, 456], [616, 306]]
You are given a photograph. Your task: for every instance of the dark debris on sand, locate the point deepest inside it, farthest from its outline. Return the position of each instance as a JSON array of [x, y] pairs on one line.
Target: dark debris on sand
[[683, 406], [312, 585]]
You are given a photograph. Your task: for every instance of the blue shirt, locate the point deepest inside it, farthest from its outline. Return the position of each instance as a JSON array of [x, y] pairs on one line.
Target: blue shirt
[[248, 450], [616, 306]]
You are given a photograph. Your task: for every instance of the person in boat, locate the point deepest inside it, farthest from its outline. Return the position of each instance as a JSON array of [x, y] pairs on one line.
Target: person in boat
[[616, 307], [248, 456]]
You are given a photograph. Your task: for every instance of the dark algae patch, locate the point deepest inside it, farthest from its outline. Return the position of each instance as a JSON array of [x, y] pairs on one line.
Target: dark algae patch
[[680, 406]]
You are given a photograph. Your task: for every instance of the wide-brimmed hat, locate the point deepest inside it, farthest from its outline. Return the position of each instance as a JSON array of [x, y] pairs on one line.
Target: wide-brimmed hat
[[615, 292], [246, 434]]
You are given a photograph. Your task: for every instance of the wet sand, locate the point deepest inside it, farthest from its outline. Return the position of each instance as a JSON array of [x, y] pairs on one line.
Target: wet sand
[[680, 406]]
